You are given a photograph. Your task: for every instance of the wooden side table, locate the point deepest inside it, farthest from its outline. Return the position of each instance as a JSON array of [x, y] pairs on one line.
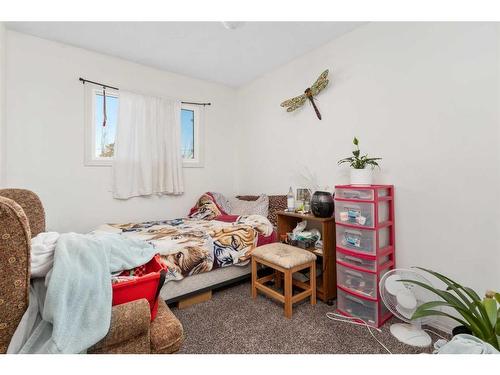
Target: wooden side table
[[326, 282]]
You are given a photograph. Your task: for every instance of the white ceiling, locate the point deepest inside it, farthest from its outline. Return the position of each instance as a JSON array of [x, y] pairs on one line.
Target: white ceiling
[[204, 50]]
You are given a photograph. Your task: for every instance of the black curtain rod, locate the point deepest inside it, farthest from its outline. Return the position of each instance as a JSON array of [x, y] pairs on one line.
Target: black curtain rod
[[83, 80]]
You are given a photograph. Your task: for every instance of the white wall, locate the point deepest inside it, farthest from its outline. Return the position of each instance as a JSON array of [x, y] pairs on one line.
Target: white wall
[[45, 130], [2, 101], [422, 96]]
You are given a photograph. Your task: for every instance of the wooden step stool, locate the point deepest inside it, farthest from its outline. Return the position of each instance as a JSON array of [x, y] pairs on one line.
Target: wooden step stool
[[284, 259]]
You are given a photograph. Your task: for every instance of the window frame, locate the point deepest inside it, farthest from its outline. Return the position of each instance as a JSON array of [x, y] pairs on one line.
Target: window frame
[[199, 137], [90, 132], [90, 160]]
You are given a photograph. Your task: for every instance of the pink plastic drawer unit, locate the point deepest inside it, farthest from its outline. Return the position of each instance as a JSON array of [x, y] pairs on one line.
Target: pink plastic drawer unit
[[362, 240], [362, 263], [371, 312], [365, 243]]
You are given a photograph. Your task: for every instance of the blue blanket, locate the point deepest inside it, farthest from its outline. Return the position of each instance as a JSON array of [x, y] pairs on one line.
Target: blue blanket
[[76, 311]]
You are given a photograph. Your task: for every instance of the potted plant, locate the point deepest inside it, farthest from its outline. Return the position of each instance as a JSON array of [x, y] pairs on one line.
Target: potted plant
[[479, 316], [361, 166]]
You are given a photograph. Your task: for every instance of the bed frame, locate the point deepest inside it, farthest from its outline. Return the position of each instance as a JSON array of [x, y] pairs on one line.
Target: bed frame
[[195, 285]]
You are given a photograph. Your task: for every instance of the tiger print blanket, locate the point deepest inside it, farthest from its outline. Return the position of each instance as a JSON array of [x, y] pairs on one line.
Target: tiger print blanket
[[190, 246], [209, 206]]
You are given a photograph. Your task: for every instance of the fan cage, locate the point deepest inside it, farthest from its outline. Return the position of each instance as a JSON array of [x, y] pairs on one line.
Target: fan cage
[[421, 294]]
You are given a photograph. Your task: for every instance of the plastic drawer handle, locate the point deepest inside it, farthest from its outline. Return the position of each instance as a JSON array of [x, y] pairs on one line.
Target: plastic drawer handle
[[354, 299], [354, 259], [354, 273]]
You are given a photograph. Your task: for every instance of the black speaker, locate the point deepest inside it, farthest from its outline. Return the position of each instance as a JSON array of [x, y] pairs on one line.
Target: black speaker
[[322, 204]]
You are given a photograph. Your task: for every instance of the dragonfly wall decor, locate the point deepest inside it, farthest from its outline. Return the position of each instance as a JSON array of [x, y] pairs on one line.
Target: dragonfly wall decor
[[309, 93]]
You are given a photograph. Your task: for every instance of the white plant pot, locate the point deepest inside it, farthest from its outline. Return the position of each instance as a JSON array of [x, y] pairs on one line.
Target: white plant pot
[[361, 176]]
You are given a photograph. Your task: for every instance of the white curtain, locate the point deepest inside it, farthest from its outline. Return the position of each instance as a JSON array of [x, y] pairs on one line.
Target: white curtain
[[147, 156]]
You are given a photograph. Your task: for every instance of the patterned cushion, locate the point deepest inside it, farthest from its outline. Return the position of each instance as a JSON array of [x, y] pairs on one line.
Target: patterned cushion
[[15, 241], [32, 206], [128, 331], [167, 334], [276, 203], [247, 207], [283, 255]]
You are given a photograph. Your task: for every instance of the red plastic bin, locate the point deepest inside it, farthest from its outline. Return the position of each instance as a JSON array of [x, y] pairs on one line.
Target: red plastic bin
[[147, 286]]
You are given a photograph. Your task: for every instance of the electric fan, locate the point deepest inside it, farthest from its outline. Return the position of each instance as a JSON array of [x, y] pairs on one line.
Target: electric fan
[[402, 299]]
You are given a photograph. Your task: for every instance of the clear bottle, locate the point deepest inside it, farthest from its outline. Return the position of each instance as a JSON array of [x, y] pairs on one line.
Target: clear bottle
[[290, 201]]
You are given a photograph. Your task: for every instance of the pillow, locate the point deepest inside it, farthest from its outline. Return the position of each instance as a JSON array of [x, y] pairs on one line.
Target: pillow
[[222, 201], [245, 207]]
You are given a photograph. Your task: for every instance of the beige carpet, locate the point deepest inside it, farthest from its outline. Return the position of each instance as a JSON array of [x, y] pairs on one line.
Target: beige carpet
[[234, 323]]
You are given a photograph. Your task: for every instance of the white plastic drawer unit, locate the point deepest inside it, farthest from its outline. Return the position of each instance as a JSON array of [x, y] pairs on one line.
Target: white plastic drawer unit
[[360, 213], [357, 307], [360, 194], [367, 264], [359, 282], [362, 240]]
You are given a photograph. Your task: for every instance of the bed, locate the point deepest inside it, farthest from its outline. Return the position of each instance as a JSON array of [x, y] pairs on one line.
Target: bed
[[206, 250]]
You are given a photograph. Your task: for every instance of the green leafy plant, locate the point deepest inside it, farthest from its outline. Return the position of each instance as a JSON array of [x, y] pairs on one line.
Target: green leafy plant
[[480, 316], [359, 162]]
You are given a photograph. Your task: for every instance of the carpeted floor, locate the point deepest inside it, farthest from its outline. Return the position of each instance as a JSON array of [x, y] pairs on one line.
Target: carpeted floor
[[232, 322]]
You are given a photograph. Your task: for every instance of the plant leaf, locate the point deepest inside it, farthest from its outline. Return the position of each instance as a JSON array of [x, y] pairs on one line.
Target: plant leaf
[[355, 141], [497, 326], [346, 160], [421, 313], [472, 293], [490, 305], [476, 301], [432, 304], [453, 285]]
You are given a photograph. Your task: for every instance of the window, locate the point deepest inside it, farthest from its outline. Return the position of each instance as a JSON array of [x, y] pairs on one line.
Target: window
[[187, 134], [191, 135], [100, 140]]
